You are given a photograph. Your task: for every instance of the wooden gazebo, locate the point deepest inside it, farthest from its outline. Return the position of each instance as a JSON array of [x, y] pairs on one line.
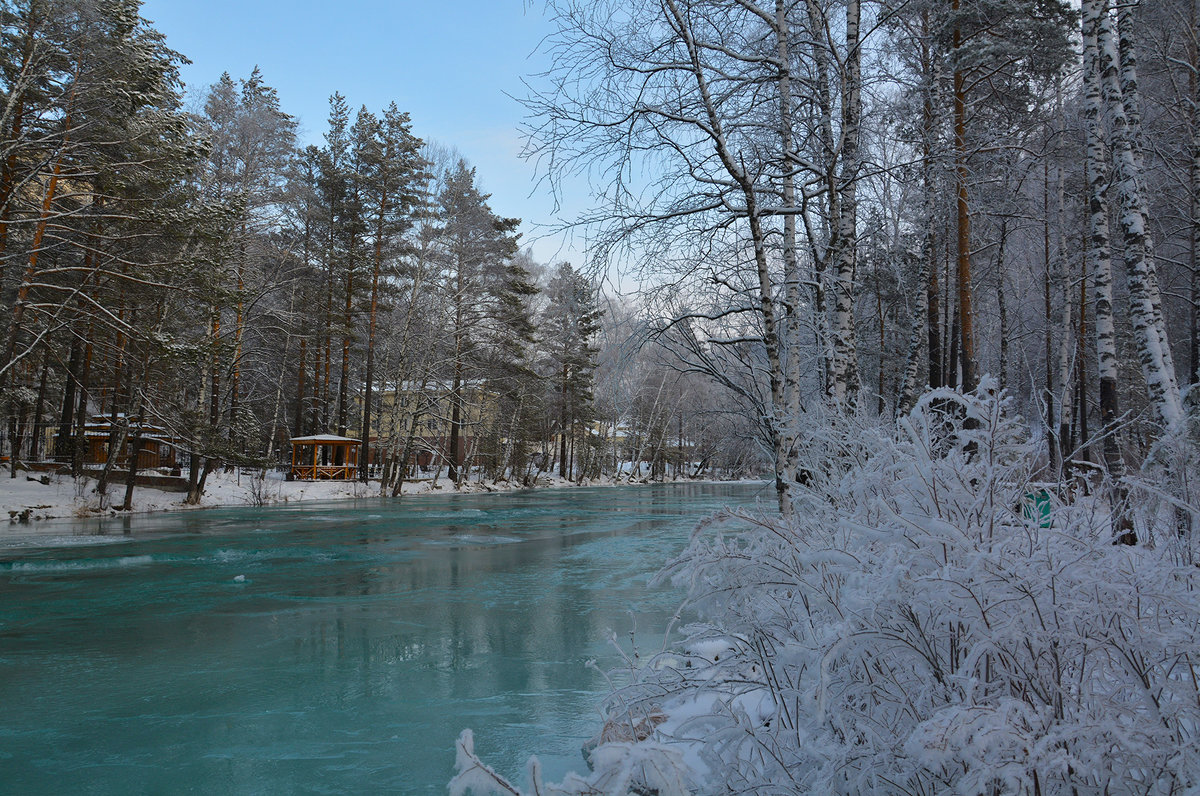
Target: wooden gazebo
[[324, 457]]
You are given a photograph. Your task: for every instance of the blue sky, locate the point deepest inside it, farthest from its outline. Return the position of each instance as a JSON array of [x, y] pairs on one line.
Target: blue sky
[[449, 65]]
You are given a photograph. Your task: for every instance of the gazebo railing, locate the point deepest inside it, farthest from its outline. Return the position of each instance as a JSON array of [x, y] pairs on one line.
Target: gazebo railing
[[308, 453], [323, 472]]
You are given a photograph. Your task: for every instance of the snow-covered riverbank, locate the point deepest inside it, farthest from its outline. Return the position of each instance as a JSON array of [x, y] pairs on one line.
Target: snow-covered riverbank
[[27, 498]]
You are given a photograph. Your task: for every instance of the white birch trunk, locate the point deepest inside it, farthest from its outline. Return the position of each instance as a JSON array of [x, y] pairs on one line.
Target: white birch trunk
[[817, 27], [1097, 177], [792, 328], [774, 421], [1157, 367], [845, 362], [1131, 104]]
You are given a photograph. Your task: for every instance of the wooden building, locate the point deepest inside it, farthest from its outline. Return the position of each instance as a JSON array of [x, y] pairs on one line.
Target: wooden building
[[156, 447], [324, 457]]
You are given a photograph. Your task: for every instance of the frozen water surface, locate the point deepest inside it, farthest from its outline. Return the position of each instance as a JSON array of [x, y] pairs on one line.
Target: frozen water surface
[[330, 649]]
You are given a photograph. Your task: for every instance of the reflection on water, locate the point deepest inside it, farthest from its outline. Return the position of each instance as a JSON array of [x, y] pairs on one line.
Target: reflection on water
[[336, 648]]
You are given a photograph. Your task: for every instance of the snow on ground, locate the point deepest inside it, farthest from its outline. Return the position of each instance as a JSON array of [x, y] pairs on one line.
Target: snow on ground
[[26, 497]]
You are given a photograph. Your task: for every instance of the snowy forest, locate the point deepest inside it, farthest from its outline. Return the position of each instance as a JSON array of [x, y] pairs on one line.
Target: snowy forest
[[932, 265], [183, 268], [944, 252], [847, 205]]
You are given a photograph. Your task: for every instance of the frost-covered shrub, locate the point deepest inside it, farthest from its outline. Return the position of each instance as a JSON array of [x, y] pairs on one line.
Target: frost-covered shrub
[[645, 767], [920, 628], [1165, 494]]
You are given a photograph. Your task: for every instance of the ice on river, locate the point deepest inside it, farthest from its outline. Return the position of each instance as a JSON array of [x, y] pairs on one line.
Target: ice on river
[[327, 648]]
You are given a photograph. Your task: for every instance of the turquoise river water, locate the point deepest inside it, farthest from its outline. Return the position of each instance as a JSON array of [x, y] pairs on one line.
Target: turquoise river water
[[327, 648]]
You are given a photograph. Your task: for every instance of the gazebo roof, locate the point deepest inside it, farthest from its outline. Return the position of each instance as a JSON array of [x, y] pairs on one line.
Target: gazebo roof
[[327, 438]]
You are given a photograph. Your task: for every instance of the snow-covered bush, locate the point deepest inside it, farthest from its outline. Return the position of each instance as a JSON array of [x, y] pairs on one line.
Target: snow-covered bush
[[920, 627], [1165, 494]]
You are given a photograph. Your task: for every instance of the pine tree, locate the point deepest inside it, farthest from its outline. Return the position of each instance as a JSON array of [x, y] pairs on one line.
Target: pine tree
[[251, 143], [390, 177], [482, 289], [94, 183], [568, 327]]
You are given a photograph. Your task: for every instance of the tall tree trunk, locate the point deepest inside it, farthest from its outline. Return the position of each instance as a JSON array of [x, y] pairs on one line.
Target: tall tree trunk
[[562, 423], [880, 405], [9, 167], [906, 398], [344, 376], [139, 422], [949, 327], [1194, 183], [934, 330], [793, 326], [1002, 376], [298, 425], [509, 444], [460, 352], [315, 420], [925, 313], [1069, 338], [773, 421], [35, 438], [79, 449], [279, 411], [954, 361], [1131, 104], [419, 410], [455, 442], [134, 465], [214, 398], [1153, 352], [117, 437], [369, 385], [64, 440], [845, 367], [402, 465], [818, 29], [1047, 322], [1099, 246], [18, 312], [1081, 370], [1097, 172], [139, 413], [239, 331], [118, 428], [966, 325], [323, 406]]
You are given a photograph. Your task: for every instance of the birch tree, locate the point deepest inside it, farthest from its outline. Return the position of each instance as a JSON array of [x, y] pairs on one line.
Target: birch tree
[[845, 379], [706, 89], [1119, 91]]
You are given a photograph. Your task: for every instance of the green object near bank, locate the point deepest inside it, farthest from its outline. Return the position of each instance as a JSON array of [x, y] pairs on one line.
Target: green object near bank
[[1037, 506]]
